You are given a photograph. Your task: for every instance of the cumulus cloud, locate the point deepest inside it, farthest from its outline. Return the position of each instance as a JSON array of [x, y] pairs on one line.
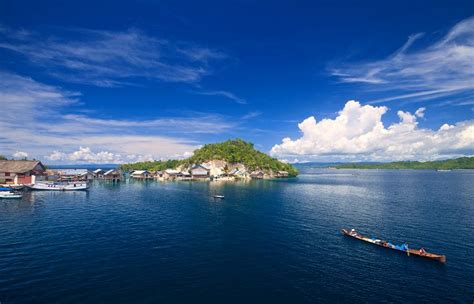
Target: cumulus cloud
[[420, 112], [358, 133], [86, 155], [20, 155], [442, 69]]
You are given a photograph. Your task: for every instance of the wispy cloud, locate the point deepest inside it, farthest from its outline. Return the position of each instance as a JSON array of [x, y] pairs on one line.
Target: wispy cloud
[[225, 94], [111, 58], [31, 99], [444, 68], [42, 120], [252, 115]]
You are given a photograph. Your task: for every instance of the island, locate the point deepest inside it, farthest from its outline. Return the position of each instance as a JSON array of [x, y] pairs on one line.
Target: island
[[228, 160], [448, 164]]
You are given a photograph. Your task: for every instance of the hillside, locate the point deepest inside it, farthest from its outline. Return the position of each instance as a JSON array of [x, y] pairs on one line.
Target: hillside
[[231, 151], [457, 163]]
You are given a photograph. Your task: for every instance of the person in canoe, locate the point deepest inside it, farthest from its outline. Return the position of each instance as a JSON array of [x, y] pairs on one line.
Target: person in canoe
[[422, 251], [353, 232]]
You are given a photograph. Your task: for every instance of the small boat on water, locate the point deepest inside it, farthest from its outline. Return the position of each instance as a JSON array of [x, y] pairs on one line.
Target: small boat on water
[[59, 186], [13, 186], [9, 193], [218, 196], [403, 248]]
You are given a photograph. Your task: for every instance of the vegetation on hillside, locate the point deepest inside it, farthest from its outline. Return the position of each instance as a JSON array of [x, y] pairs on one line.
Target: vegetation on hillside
[[457, 163], [155, 165], [232, 151]]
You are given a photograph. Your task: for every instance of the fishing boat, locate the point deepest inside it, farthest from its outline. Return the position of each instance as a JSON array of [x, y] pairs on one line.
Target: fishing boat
[[403, 248], [59, 186], [9, 193]]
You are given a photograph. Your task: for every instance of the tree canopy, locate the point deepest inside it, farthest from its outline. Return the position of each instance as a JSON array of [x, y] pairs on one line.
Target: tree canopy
[[456, 163], [232, 151]]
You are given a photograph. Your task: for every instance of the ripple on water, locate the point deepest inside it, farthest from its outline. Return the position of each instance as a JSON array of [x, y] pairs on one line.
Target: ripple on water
[[268, 241]]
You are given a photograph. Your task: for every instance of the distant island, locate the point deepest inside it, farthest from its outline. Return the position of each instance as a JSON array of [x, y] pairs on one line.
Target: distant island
[[448, 164], [233, 159]]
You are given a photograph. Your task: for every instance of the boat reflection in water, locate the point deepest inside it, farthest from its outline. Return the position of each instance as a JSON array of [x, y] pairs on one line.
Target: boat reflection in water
[[32, 197]]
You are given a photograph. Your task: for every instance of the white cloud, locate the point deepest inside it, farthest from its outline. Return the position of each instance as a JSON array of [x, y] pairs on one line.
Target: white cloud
[[251, 115], [358, 133], [20, 155], [111, 58], [32, 121], [444, 68], [225, 94], [420, 112], [85, 155], [25, 96]]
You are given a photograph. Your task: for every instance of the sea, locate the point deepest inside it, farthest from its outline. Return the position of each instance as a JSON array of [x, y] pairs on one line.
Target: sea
[[267, 241]]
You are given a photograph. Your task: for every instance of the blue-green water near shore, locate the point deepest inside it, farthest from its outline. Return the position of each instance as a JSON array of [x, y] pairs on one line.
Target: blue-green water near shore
[[267, 242]]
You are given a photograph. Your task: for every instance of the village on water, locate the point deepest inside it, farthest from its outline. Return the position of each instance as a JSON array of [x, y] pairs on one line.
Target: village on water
[[32, 174]]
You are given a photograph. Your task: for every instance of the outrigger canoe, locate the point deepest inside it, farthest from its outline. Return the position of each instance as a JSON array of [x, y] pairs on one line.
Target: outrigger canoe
[[404, 248]]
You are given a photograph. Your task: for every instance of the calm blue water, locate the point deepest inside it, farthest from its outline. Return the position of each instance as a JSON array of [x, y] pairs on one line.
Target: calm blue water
[[268, 241]]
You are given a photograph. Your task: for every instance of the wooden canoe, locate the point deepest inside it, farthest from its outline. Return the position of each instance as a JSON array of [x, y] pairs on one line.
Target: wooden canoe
[[385, 244]]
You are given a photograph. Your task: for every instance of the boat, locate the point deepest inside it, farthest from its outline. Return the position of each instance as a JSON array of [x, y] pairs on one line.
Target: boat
[[218, 196], [9, 193], [13, 186], [59, 186], [403, 248]]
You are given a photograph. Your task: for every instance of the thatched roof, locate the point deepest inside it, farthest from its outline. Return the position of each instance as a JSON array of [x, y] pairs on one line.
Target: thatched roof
[[19, 166]]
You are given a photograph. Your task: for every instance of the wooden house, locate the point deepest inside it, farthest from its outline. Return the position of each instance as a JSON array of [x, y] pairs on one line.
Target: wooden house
[[74, 174], [141, 174], [185, 175], [257, 174], [98, 173], [21, 171], [112, 175], [171, 174], [200, 172]]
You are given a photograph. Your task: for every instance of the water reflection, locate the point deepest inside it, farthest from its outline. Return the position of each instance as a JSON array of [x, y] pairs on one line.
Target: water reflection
[[35, 196]]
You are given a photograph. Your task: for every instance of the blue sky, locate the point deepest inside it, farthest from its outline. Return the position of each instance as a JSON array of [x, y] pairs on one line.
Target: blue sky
[[126, 81]]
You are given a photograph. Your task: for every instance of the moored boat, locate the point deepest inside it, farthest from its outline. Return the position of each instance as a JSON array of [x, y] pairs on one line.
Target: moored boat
[[403, 248], [9, 193], [59, 186]]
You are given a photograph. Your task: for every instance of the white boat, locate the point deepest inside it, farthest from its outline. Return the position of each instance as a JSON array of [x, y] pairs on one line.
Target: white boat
[[218, 196], [10, 194], [59, 186]]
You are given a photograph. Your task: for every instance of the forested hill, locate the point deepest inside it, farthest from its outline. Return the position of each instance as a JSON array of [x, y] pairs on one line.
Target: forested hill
[[232, 151], [457, 163]]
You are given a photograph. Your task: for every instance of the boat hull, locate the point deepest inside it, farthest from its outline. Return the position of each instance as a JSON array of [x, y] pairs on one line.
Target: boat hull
[[10, 196], [385, 244], [59, 187]]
